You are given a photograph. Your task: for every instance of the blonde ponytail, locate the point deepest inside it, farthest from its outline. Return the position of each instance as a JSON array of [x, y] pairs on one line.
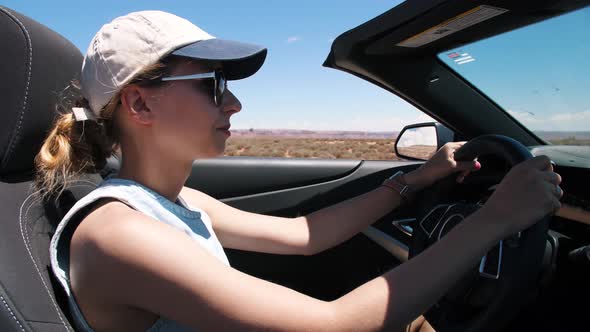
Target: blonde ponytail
[[74, 147]]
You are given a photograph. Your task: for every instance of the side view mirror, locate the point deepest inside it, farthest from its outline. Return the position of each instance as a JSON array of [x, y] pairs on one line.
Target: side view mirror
[[420, 141]]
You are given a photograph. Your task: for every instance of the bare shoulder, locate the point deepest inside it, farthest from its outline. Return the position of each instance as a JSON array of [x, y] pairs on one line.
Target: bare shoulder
[[115, 246], [101, 268], [104, 224], [113, 232], [98, 242]]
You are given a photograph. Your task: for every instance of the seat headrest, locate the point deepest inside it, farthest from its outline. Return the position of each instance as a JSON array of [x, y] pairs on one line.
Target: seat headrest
[[37, 65]]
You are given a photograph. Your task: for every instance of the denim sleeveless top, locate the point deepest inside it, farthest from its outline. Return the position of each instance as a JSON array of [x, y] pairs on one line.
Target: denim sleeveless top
[[192, 221]]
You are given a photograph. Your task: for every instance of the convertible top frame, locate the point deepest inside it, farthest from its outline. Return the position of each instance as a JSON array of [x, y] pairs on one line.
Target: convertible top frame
[[371, 52]]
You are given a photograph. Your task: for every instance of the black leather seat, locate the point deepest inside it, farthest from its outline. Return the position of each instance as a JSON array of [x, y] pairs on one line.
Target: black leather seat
[[36, 65]]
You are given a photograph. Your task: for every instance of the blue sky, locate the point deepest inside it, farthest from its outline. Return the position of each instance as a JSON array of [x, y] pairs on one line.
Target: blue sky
[[294, 91]]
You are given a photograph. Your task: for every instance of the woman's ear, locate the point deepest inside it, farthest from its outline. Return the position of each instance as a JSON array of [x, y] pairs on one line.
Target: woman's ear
[[133, 100]]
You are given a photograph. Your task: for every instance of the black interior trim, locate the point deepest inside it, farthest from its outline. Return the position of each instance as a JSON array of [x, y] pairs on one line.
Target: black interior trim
[[250, 175], [301, 200]]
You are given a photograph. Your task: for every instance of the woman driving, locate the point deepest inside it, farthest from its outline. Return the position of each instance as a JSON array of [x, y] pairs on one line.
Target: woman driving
[[144, 253]]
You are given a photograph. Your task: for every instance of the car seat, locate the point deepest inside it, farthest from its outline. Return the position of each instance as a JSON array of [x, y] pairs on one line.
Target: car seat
[[37, 65]]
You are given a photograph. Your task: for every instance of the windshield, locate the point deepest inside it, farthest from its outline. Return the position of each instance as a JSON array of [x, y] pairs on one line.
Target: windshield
[[539, 74]]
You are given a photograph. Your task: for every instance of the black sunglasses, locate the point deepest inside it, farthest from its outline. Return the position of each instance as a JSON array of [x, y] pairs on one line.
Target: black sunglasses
[[218, 89]]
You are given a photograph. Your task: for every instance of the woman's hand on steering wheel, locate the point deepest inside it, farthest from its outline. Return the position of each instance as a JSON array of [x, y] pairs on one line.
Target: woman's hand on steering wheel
[[440, 165], [528, 192]]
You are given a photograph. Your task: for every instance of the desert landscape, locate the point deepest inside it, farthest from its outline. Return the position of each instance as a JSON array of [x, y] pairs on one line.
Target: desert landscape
[[326, 148], [341, 144], [312, 144]]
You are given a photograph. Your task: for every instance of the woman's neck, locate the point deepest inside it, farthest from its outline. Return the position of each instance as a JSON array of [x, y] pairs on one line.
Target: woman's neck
[[166, 178]]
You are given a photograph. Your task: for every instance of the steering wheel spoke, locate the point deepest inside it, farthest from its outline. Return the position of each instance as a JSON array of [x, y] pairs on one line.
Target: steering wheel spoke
[[430, 222]]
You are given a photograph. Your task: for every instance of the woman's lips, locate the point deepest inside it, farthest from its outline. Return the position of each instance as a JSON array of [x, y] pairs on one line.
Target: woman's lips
[[225, 130]]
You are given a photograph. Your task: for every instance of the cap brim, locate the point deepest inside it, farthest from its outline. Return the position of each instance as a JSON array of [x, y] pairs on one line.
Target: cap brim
[[238, 60]]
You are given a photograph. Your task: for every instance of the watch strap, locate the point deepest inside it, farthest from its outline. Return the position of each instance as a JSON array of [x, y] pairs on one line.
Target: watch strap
[[397, 183]]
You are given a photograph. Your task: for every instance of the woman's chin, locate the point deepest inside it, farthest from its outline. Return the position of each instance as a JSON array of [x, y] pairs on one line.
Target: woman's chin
[[218, 153], [213, 153], [214, 150]]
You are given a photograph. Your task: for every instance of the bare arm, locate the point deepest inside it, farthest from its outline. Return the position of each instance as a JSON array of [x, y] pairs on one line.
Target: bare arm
[[324, 228], [306, 235], [141, 263], [411, 288]]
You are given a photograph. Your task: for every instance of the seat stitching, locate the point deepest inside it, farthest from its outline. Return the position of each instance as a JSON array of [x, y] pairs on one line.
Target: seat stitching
[[16, 134], [34, 262], [27, 245], [12, 313]]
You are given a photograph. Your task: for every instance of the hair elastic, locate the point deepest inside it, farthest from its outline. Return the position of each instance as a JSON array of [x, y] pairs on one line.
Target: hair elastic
[[83, 114]]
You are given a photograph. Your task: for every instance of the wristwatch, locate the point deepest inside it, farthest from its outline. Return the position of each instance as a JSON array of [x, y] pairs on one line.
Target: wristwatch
[[397, 183]]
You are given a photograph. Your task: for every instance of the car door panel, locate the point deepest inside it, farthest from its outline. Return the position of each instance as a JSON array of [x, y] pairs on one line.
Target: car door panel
[[288, 187], [242, 176]]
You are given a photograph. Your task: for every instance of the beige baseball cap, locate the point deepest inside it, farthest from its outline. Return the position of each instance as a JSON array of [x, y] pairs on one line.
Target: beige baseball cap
[[130, 43]]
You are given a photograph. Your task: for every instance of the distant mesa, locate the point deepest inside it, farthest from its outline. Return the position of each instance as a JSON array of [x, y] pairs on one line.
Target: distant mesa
[[553, 136], [556, 135], [300, 133]]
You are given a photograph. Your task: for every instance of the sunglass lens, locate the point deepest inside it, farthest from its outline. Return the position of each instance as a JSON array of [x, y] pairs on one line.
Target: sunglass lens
[[220, 88]]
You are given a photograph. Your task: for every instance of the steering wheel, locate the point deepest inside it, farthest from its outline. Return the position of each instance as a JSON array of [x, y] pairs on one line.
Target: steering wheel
[[491, 293]]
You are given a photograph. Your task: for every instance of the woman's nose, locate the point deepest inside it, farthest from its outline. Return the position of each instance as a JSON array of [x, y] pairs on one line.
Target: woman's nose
[[231, 103]]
